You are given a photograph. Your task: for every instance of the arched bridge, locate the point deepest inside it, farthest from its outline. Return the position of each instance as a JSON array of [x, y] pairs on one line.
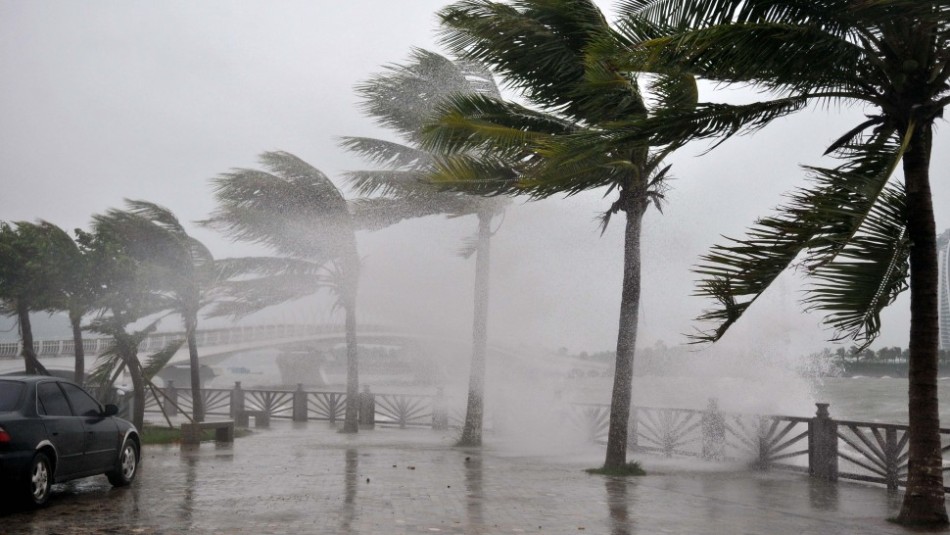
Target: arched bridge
[[214, 344]]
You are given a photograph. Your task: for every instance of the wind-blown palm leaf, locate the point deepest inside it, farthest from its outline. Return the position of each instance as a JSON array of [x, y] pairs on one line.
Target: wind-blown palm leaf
[[479, 123], [868, 273], [387, 153], [157, 361], [822, 222], [532, 43], [250, 284], [402, 97], [294, 209]]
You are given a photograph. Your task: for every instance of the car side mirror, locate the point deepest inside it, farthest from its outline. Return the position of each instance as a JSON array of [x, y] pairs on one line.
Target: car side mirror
[[110, 410]]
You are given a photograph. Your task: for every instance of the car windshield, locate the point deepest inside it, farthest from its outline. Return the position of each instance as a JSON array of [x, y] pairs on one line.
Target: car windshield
[[10, 395]]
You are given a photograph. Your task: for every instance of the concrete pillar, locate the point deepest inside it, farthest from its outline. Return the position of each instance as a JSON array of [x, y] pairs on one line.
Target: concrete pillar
[[367, 405], [823, 445], [300, 404], [237, 400], [713, 425]]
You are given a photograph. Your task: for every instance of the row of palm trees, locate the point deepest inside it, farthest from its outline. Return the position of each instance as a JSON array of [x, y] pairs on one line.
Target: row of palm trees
[[582, 121], [858, 230]]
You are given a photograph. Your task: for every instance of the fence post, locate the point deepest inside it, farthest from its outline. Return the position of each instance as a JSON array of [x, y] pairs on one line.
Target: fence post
[[823, 445], [171, 399], [367, 413], [891, 456], [300, 404], [237, 400], [713, 426], [440, 414]]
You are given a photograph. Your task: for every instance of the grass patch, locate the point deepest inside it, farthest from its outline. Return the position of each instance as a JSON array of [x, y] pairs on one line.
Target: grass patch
[[155, 434], [629, 469]]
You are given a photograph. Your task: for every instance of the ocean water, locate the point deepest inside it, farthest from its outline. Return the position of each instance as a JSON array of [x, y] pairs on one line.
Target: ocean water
[[874, 399]]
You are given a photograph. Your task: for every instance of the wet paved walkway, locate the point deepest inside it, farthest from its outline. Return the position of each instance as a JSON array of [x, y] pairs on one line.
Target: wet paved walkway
[[306, 478]]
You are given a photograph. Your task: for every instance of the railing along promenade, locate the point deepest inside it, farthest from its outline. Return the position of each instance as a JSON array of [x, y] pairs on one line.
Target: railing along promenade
[[819, 446], [157, 341]]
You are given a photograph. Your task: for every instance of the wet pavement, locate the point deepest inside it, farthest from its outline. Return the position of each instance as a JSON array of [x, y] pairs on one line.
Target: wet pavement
[[307, 478]]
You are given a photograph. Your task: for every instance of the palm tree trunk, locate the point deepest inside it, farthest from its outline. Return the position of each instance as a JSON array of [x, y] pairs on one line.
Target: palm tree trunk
[[32, 364], [128, 350], [197, 403], [79, 373], [626, 337], [351, 415], [924, 498], [472, 430]]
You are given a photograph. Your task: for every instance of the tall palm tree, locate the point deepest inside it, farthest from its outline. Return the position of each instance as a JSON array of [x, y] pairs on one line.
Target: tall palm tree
[[404, 99], [179, 266], [296, 211], [540, 47], [861, 232]]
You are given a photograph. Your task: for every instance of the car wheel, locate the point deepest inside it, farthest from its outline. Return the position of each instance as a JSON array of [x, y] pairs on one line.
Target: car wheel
[[126, 466], [40, 479]]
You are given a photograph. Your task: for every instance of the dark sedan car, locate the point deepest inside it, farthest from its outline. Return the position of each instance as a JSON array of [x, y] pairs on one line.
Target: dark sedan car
[[52, 431]]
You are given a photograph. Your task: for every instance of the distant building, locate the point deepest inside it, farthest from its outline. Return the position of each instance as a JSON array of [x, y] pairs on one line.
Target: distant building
[[943, 289]]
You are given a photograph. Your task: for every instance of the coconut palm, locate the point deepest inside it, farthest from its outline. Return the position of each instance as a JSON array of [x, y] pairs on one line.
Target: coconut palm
[[178, 265], [540, 48], [297, 212], [858, 231], [404, 99]]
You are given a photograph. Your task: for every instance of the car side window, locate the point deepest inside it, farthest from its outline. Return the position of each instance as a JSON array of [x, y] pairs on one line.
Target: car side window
[[83, 404], [51, 400]]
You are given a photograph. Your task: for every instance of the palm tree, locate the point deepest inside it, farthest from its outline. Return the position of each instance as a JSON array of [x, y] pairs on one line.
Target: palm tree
[[129, 295], [179, 266], [540, 47], [297, 212], [74, 289], [404, 99], [33, 256], [860, 231]]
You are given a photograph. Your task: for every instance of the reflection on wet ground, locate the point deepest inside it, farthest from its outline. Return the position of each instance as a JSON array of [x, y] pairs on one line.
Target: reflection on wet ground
[[307, 478]]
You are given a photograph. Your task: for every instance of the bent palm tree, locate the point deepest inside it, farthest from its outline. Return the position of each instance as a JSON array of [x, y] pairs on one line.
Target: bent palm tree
[[540, 47], [34, 257], [860, 230], [404, 99], [179, 266], [296, 211]]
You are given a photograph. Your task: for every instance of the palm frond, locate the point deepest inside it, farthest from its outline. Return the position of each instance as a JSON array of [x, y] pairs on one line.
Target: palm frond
[[157, 361], [294, 209], [387, 153], [818, 224], [867, 275]]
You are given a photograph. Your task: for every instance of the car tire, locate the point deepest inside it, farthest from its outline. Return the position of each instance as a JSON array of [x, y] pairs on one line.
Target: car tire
[[39, 480], [126, 466]]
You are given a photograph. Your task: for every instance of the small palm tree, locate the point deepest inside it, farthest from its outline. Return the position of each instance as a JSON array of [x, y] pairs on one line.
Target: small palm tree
[[73, 289], [33, 258], [541, 48], [296, 211], [404, 99], [859, 232]]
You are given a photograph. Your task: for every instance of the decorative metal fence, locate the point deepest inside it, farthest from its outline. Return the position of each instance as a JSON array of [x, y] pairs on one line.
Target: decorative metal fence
[[820, 446]]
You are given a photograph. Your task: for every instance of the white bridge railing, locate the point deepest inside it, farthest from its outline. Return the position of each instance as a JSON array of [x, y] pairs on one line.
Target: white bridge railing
[[206, 338]]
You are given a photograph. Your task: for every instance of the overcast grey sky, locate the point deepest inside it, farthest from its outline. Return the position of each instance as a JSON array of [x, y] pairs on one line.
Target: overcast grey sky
[[105, 100]]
